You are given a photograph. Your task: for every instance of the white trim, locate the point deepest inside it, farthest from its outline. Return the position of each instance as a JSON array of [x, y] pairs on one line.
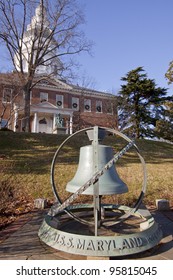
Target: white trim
[[99, 105], [60, 98], [75, 103], [71, 125], [35, 122], [87, 104], [45, 96], [16, 114], [46, 107]]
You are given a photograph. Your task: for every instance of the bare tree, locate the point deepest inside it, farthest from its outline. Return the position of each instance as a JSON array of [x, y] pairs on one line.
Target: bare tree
[[54, 33], [10, 96]]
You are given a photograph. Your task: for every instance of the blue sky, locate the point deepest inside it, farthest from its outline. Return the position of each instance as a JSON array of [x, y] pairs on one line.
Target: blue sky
[[128, 34]]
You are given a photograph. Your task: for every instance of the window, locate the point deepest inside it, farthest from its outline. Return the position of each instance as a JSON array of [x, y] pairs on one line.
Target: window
[[99, 106], [87, 105], [7, 95], [4, 123], [75, 103], [43, 121], [110, 108], [43, 82], [59, 101], [43, 96]]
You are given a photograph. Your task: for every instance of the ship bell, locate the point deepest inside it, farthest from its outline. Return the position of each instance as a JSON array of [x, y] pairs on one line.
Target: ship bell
[[109, 182]]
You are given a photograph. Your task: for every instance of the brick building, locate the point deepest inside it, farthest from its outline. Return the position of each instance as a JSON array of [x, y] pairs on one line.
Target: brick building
[[55, 105]]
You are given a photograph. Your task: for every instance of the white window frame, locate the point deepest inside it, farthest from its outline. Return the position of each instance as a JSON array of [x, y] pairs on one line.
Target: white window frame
[[43, 96], [110, 109], [99, 105], [59, 101], [75, 103], [9, 92], [87, 105]]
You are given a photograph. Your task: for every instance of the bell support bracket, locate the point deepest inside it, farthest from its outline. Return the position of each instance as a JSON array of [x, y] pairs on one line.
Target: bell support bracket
[[59, 207], [94, 179]]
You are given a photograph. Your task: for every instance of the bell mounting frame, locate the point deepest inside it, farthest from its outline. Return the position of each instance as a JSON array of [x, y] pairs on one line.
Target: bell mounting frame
[[64, 234], [63, 206]]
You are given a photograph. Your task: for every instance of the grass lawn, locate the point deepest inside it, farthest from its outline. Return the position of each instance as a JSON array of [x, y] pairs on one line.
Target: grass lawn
[[25, 161]]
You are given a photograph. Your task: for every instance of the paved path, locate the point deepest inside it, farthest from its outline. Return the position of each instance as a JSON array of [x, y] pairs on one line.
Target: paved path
[[20, 241]]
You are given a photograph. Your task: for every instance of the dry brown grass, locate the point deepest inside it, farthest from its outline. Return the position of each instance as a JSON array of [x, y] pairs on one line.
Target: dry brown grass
[[25, 161]]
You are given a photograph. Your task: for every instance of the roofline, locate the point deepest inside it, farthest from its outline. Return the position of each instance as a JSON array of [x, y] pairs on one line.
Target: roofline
[[61, 85]]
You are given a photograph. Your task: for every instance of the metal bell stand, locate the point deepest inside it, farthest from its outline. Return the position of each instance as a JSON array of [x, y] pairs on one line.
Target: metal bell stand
[[66, 226]]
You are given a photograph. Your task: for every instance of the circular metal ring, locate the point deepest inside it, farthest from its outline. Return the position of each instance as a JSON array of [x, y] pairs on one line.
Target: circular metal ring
[[143, 190]]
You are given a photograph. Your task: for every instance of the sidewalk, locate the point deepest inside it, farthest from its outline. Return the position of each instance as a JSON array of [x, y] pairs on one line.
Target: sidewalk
[[20, 241]]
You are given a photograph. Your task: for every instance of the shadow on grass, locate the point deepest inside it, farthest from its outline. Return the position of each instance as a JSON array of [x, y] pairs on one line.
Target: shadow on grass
[[33, 153]]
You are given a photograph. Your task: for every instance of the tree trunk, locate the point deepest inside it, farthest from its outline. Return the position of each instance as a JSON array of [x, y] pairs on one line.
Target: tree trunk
[[137, 120], [137, 128]]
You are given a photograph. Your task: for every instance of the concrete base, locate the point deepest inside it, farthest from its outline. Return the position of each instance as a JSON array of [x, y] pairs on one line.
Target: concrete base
[[162, 204], [61, 130], [40, 203], [97, 258], [19, 241], [131, 237]]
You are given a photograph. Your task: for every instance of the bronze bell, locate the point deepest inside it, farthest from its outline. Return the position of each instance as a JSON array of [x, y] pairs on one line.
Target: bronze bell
[[109, 182]]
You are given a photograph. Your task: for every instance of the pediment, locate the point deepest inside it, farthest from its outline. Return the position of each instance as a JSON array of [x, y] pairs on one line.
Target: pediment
[[46, 105], [49, 108], [53, 82]]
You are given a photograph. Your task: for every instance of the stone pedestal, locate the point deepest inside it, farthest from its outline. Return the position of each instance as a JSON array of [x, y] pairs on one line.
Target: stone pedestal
[[40, 203], [61, 130], [162, 204]]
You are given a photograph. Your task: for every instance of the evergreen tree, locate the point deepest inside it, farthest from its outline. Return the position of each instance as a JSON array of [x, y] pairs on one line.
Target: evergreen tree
[[140, 104], [164, 127]]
